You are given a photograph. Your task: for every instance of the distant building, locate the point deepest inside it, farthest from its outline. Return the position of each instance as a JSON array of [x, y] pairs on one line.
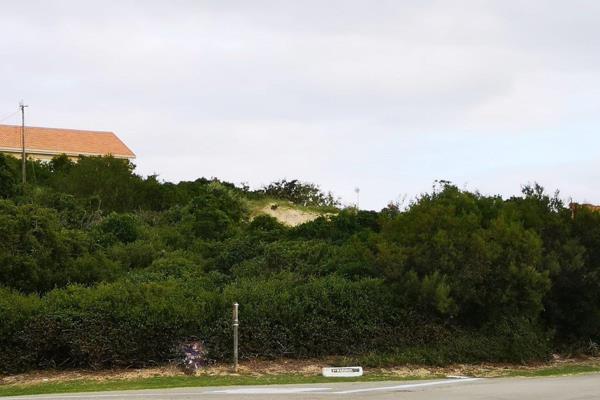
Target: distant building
[[45, 143], [576, 206]]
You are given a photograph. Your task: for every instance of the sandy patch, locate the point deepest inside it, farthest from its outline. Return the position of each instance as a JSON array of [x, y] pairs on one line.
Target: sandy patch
[[289, 216]]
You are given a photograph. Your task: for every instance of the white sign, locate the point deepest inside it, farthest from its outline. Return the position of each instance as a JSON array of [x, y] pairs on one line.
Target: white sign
[[342, 372]]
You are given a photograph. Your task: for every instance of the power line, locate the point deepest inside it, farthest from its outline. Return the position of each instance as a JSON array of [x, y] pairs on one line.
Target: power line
[[8, 116]]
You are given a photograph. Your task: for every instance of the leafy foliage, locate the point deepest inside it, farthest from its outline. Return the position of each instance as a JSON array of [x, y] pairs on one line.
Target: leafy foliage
[[7, 179], [307, 194], [101, 267]]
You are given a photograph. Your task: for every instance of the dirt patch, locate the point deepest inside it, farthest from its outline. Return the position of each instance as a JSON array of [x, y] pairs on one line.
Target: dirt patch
[[488, 370], [251, 367], [282, 367], [289, 216], [35, 377]]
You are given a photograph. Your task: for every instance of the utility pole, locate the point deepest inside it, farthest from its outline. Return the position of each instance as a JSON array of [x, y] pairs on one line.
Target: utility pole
[[23, 155], [236, 324], [357, 191]]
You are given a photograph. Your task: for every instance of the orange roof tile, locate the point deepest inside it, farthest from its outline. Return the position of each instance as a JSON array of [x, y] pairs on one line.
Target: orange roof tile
[[57, 141]]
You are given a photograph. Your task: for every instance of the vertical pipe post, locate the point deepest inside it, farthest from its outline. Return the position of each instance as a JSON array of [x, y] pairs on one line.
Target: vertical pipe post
[[236, 324], [23, 155]]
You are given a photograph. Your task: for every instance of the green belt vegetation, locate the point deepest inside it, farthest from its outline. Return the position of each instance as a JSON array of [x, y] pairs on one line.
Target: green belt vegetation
[[100, 267]]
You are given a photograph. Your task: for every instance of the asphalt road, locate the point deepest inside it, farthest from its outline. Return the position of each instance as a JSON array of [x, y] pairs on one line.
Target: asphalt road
[[580, 387]]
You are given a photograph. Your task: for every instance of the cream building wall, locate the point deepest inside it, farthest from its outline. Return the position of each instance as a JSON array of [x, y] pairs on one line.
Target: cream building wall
[[41, 156]]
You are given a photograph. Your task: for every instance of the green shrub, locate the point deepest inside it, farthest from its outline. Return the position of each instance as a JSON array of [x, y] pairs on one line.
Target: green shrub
[[214, 213], [17, 311], [135, 255], [111, 325], [35, 248], [455, 277], [290, 315], [8, 186], [118, 228]]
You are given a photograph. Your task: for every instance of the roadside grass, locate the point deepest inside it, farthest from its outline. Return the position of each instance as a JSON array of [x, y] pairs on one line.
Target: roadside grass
[[165, 382], [205, 380], [552, 371]]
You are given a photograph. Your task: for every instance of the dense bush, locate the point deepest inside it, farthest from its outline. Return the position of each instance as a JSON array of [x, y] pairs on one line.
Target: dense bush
[[466, 258], [307, 194], [138, 322], [17, 312], [118, 228], [119, 269], [8, 185], [36, 252], [213, 214]]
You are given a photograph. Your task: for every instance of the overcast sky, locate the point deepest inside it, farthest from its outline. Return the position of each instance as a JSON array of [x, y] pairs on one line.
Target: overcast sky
[[387, 96]]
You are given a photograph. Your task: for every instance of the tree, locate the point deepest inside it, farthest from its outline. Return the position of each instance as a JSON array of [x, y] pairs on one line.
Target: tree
[[109, 180], [7, 178], [458, 255], [214, 213], [303, 193], [124, 228], [35, 249]]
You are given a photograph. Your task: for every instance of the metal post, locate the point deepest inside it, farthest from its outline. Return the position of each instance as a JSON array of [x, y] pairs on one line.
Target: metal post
[[236, 324], [23, 155]]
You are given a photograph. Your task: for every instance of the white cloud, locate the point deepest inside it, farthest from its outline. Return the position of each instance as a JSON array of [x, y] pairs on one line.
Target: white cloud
[[384, 95]]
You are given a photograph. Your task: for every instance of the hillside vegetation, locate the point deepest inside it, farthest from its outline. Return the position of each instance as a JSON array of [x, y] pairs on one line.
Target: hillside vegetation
[[100, 267]]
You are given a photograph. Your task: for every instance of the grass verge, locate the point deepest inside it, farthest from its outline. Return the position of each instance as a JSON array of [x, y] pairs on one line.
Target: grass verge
[[165, 382], [553, 371]]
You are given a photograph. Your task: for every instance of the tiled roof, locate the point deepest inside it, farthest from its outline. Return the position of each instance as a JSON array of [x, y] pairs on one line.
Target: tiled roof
[[57, 141]]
